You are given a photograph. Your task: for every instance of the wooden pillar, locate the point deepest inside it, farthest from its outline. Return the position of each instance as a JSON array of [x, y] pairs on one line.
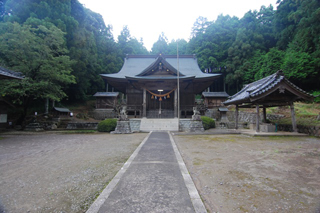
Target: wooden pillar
[[258, 119], [293, 117], [176, 103], [237, 115], [144, 103], [264, 114]]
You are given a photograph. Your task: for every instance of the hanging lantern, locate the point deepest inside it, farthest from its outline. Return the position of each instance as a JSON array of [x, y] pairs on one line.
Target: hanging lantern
[[168, 96], [165, 97], [160, 99], [152, 97], [156, 97]]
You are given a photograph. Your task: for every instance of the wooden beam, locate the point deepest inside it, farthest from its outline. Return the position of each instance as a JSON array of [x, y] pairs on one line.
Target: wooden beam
[[293, 117], [257, 119], [264, 114]]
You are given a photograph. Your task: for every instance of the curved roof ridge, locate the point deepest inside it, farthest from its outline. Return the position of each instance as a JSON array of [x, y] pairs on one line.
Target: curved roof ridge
[[159, 59], [270, 82]]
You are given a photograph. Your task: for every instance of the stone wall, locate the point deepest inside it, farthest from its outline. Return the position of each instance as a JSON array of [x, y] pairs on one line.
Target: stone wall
[[184, 125], [101, 114], [247, 117], [309, 130], [135, 125], [88, 125], [188, 125]]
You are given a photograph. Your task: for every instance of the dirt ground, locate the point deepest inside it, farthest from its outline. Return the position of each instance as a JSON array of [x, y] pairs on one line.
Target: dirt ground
[[233, 173], [236, 173], [59, 172]]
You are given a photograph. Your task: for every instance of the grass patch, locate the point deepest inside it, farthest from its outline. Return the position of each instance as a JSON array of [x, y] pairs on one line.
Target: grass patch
[[80, 131]]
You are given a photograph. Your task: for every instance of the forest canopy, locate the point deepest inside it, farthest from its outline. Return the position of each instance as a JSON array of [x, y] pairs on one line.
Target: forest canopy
[[61, 47]]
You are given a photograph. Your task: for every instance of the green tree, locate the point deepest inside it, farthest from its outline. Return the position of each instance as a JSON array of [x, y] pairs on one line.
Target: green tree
[[160, 46], [130, 45], [267, 64], [41, 55], [181, 44]]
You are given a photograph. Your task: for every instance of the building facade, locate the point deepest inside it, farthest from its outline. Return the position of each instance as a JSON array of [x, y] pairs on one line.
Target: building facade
[[151, 84]]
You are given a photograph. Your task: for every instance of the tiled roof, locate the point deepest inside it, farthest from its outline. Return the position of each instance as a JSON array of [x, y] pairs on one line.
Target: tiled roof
[[59, 109], [215, 95], [8, 74], [106, 94], [261, 87], [136, 65]]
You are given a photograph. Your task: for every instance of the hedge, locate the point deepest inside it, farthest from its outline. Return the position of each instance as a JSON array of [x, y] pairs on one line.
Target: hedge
[[207, 122], [107, 125]]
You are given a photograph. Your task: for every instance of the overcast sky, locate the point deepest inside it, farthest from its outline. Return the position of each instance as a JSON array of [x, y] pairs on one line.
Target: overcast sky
[[146, 19]]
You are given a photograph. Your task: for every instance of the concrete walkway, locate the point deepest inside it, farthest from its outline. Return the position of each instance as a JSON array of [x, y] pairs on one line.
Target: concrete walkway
[[154, 179]]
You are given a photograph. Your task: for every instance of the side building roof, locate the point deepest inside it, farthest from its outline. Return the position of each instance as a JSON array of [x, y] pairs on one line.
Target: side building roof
[[8, 74], [273, 90], [215, 95], [106, 94]]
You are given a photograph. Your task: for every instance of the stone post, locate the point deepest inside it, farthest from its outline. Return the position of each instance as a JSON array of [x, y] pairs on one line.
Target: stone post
[[293, 117]]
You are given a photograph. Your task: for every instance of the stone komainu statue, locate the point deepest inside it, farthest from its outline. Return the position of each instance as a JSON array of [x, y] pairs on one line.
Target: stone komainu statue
[[123, 110], [196, 114], [196, 111], [123, 114]]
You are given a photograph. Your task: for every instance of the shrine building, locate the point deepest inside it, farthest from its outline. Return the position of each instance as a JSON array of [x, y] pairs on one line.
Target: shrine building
[[150, 84]]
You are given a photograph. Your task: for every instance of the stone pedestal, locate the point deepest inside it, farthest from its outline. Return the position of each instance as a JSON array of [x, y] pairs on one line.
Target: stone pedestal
[[196, 126], [123, 127], [267, 128], [196, 117]]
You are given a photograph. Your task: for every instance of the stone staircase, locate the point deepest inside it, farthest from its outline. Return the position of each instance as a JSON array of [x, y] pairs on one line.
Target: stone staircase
[[148, 125]]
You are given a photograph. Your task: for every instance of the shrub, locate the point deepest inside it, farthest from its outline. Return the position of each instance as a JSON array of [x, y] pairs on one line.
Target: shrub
[[317, 94], [208, 122], [107, 125]]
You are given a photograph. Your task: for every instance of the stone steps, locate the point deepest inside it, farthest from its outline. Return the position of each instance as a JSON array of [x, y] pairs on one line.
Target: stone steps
[[148, 125]]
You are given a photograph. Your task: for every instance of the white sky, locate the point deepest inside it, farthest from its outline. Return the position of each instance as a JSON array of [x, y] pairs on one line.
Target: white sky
[[146, 19]]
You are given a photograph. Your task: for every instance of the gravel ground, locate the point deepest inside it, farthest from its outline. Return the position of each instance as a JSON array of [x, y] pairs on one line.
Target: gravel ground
[[233, 173], [236, 173], [59, 172]]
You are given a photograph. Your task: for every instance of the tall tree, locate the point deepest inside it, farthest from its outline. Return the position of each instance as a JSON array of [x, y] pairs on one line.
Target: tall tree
[[160, 46], [41, 55], [130, 45]]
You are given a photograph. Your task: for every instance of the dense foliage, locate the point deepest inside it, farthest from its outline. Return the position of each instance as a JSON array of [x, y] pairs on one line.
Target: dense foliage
[[208, 122], [261, 43], [107, 125], [62, 47]]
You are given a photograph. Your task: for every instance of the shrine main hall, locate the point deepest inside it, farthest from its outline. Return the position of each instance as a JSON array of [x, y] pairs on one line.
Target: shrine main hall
[[150, 84]]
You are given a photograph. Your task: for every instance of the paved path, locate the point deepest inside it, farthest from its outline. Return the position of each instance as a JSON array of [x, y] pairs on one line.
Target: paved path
[[154, 179]]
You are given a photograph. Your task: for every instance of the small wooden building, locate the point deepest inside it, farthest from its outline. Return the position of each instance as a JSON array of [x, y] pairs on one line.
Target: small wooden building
[[59, 112], [106, 100], [271, 91], [214, 99]]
